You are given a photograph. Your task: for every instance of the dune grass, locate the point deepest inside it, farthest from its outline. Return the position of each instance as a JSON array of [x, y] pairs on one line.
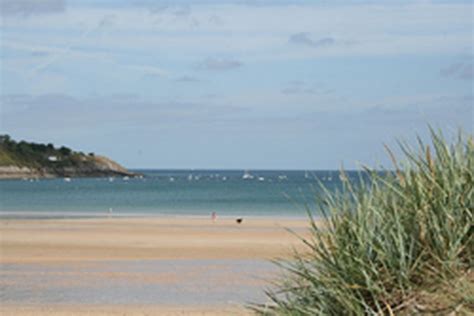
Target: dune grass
[[399, 243]]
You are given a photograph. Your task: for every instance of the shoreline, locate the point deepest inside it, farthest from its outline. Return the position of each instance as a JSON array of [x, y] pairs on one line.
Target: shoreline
[[53, 215]]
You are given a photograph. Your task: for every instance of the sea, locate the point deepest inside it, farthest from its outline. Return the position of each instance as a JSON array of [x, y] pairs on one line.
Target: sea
[[174, 282], [284, 193]]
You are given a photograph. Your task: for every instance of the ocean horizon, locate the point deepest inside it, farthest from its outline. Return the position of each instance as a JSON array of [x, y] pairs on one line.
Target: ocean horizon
[[171, 192]]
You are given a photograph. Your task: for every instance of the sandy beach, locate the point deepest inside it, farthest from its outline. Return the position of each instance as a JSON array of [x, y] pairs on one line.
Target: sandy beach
[[139, 310], [107, 250], [146, 238]]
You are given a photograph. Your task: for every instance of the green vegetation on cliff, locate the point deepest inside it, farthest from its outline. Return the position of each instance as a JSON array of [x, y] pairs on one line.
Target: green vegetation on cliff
[[47, 160], [33, 155]]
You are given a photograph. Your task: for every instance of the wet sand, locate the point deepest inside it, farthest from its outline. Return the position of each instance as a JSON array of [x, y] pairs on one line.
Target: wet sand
[[125, 310], [146, 238], [168, 257]]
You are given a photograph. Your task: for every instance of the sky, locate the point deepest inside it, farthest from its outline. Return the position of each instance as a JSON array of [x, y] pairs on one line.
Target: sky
[[235, 84]]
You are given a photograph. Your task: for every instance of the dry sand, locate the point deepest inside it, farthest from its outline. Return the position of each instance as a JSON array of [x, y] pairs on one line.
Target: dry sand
[[75, 241]]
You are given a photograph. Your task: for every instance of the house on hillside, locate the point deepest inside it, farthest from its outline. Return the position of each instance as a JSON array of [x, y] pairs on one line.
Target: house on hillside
[[53, 158]]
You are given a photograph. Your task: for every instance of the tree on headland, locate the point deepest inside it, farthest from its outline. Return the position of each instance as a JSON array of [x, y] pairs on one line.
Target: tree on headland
[[33, 154], [5, 139], [46, 160], [65, 151]]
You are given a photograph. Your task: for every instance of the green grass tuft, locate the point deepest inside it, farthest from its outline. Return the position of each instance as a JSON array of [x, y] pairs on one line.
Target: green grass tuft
[[400, 243]]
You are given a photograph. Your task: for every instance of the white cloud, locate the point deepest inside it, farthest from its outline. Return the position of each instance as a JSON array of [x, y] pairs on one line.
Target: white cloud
[[255, 32], [147, 70], [31, 7], [187, 79], [127, 40], [304, 38], [463, 70], [219, 64]]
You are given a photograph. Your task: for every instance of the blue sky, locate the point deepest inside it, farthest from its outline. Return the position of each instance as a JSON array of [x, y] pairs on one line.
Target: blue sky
[[235, 84]]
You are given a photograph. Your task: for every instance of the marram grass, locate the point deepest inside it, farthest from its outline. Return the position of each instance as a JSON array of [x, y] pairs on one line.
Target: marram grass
[[399, 243]]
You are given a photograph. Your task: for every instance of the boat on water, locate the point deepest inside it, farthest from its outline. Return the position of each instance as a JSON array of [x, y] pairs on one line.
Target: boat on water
[[247, 175]]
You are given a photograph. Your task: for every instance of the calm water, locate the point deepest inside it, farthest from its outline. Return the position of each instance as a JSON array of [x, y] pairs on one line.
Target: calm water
[[169, 192]]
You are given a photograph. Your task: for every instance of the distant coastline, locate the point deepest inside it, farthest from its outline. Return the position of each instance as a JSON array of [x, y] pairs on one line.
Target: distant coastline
[[26, 160]]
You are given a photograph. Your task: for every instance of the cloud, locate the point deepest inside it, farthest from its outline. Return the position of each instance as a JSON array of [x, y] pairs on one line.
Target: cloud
[[187, 79], [220, 64], [215, 19], [459, 70], [298, 90], [39, 53], [182, 10], [298, 87], [26, 104], [104, 22], [31, 7], [62, 111], [296, 83], [294, 90], [153, 7], [270, 27], [107, 21], [304, 38], [159, 7], [148, 71], [169, 14]]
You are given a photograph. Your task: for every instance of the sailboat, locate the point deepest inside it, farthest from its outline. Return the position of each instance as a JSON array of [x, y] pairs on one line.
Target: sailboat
[[247, 175]]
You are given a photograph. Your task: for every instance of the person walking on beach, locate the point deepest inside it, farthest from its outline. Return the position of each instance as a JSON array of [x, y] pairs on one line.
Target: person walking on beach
[[213, 217]]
